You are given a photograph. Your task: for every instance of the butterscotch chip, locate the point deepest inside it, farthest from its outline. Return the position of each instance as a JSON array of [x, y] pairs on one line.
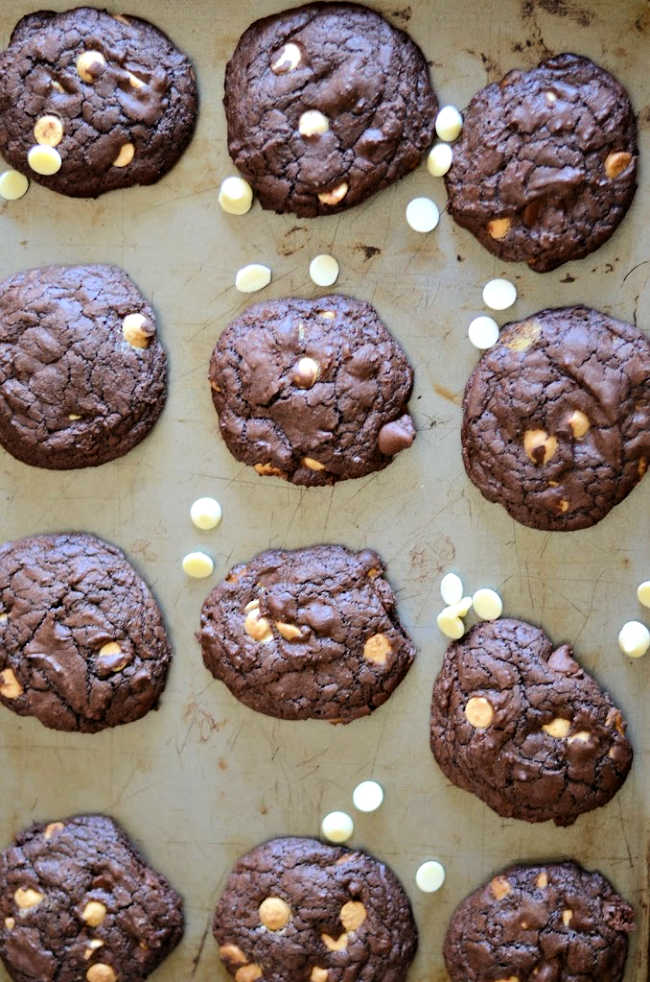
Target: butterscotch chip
[[335, 944], [377, 648], [498, 228], [101, 973], [479, 712], [313, 465], [542, 880], [10, 687], [268, 469], [10, 923], [248, 973], [318, 974], [288, 631], [539, 446], [500, 887], [353, 914], [27, 897], [233, 954], [557, 728], [274, 913], [94, 913], [616, 163], [125, 156]]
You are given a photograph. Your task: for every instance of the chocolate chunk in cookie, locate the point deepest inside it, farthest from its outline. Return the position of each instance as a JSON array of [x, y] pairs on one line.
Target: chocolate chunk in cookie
[[82, 641], [78, 902], [524, 727], [545, 168], [309, 634], [83, 376], [552, 922], [556, 424], [299, 909], [90, 102], [314, 391], [326, 104]]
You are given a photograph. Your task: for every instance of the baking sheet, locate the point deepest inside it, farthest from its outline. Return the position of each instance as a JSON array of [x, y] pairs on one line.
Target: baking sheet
[[204, 779]]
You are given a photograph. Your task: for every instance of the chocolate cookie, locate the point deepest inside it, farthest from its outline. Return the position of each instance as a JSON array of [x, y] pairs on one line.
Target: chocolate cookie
[[554, 922], [83, 376], [326, 104], [545, 168], [82, 641], [77, 901], [110, 95], [524, 727], [299, 909], [310, 634], [314, 391], [556, 423]]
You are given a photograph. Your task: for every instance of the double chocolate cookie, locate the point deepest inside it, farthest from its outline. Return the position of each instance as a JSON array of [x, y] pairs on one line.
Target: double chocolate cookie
[[110, 98], [545, 168], [82, 641], [77, 901], [524, 727], [556, 423], [326, 104], [83, 376], [310, 634], [554, 922], [314, 391], [299, 909]]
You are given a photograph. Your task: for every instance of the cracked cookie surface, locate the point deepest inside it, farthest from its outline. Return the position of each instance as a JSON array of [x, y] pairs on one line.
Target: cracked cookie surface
[[545, 168], [77, 901], [552, 922], [556, 424], [326, 104], [83, 645], [74, 392], [120, 99], [307, 634], [297, 908], [314, 391], [524, 727]]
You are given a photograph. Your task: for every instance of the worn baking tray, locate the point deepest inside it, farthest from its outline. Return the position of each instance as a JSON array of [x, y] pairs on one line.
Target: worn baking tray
[[205, 778]]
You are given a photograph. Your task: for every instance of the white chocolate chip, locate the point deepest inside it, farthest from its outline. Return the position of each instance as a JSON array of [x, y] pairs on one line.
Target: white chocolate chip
[[337, 827], [305, 373], [101, 973], [487, 604], [368, 796], [430, 876], [335, 944], [634, 639], [198, 565], [52, 829], [376, 649], [13, 185], [252, 278], [48, 131], [313, 123], [125, 156], [579, 423], [10, 687], [235, 196], [89, 64], [205, 513], [558, 728], [26, 898], [319, 974], [450, 624], [498, 228], [324, 270], [288, 59], [499, 294], [44, 160], [567, 917], [483, 332], [137, 330], [422, 215], [94, 945], [449, 123], [643, 593], [10, 923], [451, 588], [440, 159], [335, 196], [94, 913]]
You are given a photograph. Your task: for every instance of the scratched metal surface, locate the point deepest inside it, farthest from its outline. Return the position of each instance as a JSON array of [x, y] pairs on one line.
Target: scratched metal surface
[[205, 779]]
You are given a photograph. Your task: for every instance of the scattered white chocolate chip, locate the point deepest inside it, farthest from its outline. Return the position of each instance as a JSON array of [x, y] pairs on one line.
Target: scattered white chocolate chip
[[305, 373], [376, 649], [534, 440], [10, 687], [579, 424], [451, 588], [558, 728], [422, 215], [48, 130], [487, 604], [27, 898], [198, 565], [290, 632], [258, 628], [324, 270], [634, 639], [101, 973], [251, 278], [440, 159], [125, 156], [44, 160], [313, 123], [643, 593], [319, 974], [460, 609], [483, 332], [449, 123], [450, 624], [542, 880], [94, 945], [335, 196], [288, 59], [13, 185], [137, 330], [337, 827], [567, 917], [430, 876], [499, 294], [94, 913], [89, 65], [368, 796], [235, 196], [10, 923], [4, 617], [205, 513], [52, 829]]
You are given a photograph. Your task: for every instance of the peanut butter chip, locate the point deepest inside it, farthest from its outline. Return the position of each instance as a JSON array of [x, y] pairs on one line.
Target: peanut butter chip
[[558, 728], [256, 627], [48, 131], [498, 228], [231, 953], [268, 469], [318, 974], [376, 649], [539, 446], [90, 65], [305, 373], [52, 829], [335, 196], [542, 880], [288, 631], [579, 424], [137, 330], [274, 913], [10, 687], [352, 915], [101, 973], [616, 163], [248, 973], [567, 916], [335, 944], [26, 898], [500, 887], [479, 712], [94, 913], [125, 156], [287, 60]]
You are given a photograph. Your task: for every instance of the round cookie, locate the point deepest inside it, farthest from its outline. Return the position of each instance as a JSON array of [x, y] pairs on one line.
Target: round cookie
[[545, 168], [524, 727], [556, 424], [299, 909], [326, 104], [82, 641], [552, 922], [308, 634], [83, 376], [111, 95], [78, 902], [314, 391]]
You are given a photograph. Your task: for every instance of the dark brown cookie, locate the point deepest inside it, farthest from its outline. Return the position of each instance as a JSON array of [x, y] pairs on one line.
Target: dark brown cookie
[[556, 424], [83, 376], [524, 727], [112, 94], [314, 391], [553, 922], [297, 909], [326, 104], [309, 634], [82, 641], [77, 901], [545, 168]]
